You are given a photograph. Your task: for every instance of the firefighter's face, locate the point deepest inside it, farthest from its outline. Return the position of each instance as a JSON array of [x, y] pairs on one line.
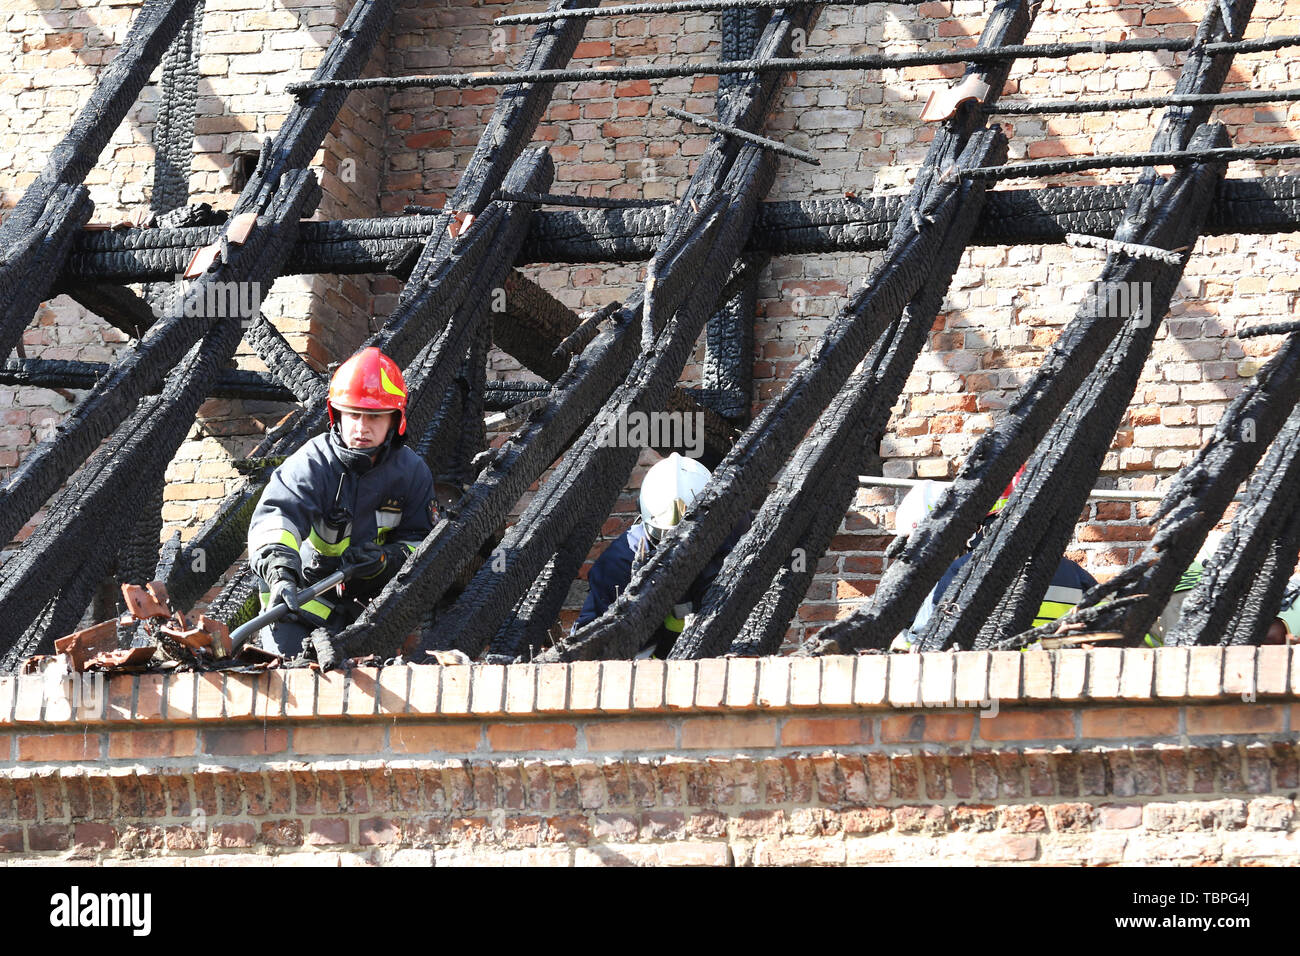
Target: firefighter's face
[[364, 429]]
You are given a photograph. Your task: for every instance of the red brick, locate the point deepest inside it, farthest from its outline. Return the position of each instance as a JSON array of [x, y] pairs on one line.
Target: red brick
[[1028, 725], [1023, 818], [245, 741], [376, 831], [723, 733], [912, 728], [331, 689], [43, 748], [1072, 817], [299, 692], [283, 833], [1234, 719], [49, 836], [121, 697], [529, 737], [149, 697], [338, 739], [151, 743], [100, 836], [1120, 818], [11, 840], [625, 735], [1130, 722], [819, 731], [363, 691], [231, 835], [209, 697], [435, 738]]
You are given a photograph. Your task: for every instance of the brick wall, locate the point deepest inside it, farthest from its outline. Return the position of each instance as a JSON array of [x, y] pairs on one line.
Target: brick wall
[[1077, 757], [1005, 306]]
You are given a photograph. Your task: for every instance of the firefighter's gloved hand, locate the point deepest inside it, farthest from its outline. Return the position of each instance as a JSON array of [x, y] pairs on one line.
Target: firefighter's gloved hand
[[365, 560], [284, 590]]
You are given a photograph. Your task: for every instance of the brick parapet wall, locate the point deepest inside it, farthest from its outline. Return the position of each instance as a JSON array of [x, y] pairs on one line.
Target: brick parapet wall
[[1101, 756]]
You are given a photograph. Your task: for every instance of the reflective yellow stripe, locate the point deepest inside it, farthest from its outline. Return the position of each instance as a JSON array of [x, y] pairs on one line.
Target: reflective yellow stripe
[[1153, 641], [319, 608], [675, 624], [1050, 611], [322, 611], [324, 547]]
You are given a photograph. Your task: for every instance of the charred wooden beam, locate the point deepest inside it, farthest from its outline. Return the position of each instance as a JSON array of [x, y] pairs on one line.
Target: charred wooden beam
[[824, 469], [173, 134], [1014, 216], [935, 206], [729, 346], [696, 256], [36, 236], [116, 304], [1242, 584]]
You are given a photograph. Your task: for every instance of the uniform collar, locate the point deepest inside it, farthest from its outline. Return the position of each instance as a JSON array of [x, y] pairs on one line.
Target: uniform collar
[[357, 459]]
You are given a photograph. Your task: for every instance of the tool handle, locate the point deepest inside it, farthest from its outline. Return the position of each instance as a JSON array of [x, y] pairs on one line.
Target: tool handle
[[240, 635]]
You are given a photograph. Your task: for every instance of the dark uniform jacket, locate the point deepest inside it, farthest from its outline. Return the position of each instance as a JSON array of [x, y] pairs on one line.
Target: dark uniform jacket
[[326, 497]]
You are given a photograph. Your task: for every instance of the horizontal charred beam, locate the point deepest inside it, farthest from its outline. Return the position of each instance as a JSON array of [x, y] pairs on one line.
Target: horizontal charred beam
[[1014, 216]]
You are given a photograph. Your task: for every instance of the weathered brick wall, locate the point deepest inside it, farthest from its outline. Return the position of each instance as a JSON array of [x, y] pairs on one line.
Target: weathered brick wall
[[1077, 757], [1004, 308]]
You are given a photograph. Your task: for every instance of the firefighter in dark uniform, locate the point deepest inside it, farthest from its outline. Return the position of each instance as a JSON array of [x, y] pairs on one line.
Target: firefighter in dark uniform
[[355, 497], [667, 491], [1069, 583]]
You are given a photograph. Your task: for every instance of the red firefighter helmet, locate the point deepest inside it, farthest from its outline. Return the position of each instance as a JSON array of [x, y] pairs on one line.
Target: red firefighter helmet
[[1006, 495], [370, 380]]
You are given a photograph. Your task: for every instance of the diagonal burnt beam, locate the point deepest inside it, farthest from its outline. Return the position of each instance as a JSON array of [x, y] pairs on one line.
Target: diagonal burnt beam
[[285, 364], [1160, 213], [535, 325], [695, 257], [1065, 467], [997, 594], [36, 235], [1200, 493], [825, 467], [767, 623], [117, 305], [787, 227], [935, 206], [1242, 584]]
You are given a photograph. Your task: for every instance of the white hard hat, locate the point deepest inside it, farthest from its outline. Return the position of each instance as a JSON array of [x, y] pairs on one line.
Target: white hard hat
[[668, 490], [917, 503]]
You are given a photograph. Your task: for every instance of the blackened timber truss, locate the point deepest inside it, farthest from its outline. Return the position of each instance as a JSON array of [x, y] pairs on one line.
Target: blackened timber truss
[[705, 253]]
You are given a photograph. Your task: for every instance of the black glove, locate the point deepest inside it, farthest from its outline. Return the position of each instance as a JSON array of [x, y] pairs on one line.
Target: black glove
[[365, 560], [284, 589], [320, 566]]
